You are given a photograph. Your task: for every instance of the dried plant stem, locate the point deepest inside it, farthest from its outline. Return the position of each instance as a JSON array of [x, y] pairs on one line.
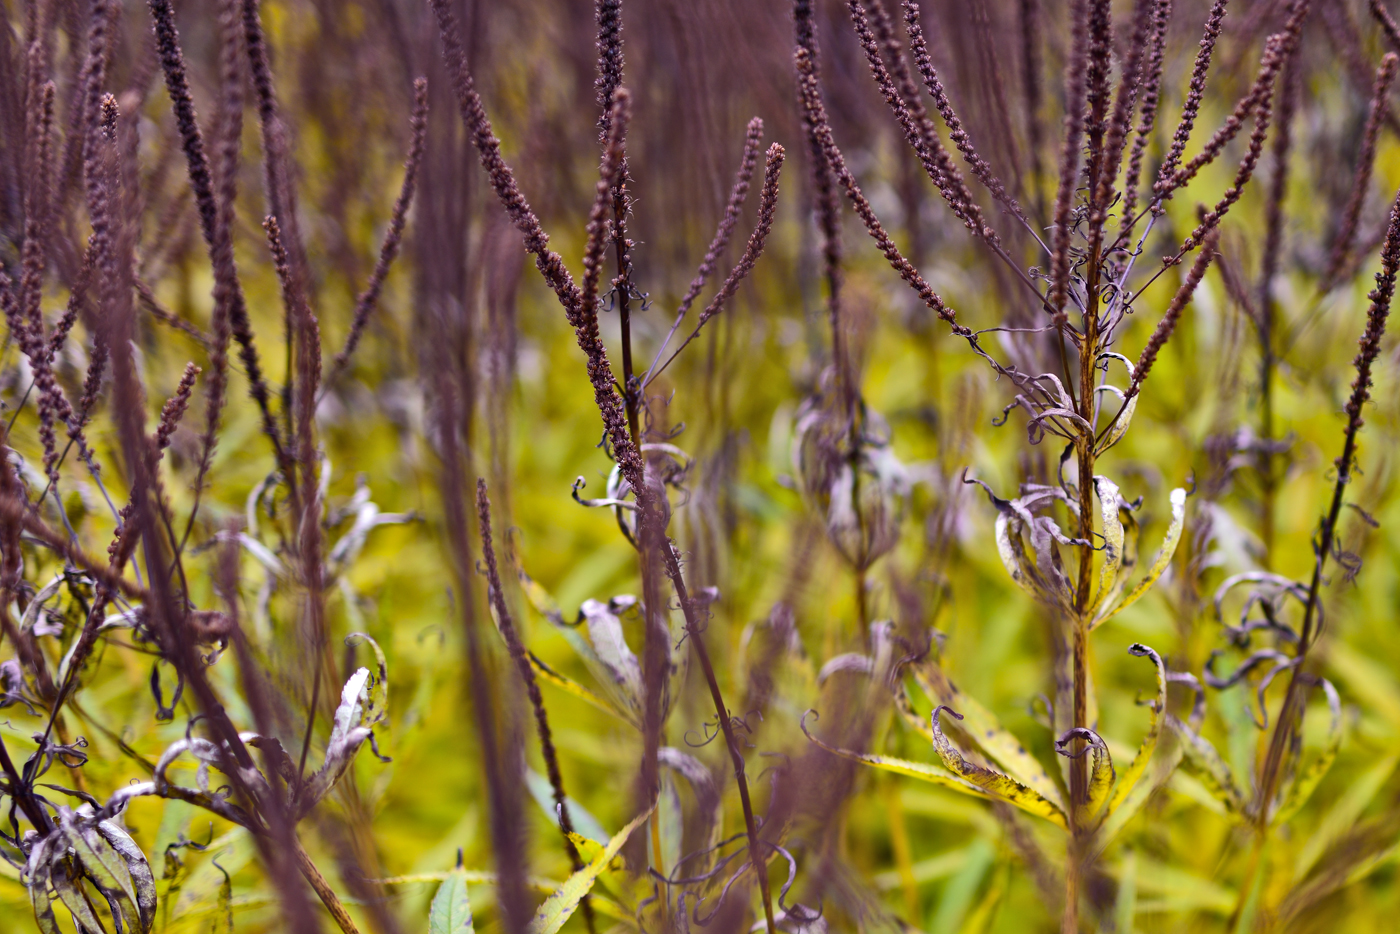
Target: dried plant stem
[[1370, 347], [580, 307], [230, 318], [393, 237], [323, 890], [1346, 229], [695, 629], [1387, 22], [532, 688]]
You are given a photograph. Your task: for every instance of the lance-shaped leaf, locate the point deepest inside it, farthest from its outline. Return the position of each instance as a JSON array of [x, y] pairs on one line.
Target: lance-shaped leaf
[[142, 879], [568, 684], [1159, 564], [709, 802], [42, 902], [925, 772], [561, 905], [377, 697], [991, 781], [451, 911], [347, 735], [1138, 766], [36, 874], [984, 727], [911, 716], [72, 896], [1312, 773], [619, 665], [1109, 505], [1124, 418], [1205, 763], [604, 652], [101, 863], [1120, 813], [1012, 516], [30, 618], [1101, 775], [581, 820]]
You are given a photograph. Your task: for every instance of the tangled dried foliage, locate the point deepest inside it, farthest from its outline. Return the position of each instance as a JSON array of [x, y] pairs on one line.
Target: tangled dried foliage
[[849, 694]]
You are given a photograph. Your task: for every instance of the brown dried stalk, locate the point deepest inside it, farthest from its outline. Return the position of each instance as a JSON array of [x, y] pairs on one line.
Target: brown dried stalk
[[393, 237], [816, 111], [230, 311], [519, 656], [767, 206], [1346, 229], [902, 95], [1369, 349], [923, 62]]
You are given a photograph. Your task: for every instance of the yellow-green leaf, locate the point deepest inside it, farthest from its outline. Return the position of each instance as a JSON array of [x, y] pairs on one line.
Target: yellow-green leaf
[[1113, 539], [1138, 766], [1205, 763], [1311, 774], [558, 907], [991, 781], [983, 726], [451, 911], [1159, 564], [571, 686]]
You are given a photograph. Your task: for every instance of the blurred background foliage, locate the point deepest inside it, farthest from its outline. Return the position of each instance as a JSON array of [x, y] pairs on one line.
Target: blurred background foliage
[[698, 71]]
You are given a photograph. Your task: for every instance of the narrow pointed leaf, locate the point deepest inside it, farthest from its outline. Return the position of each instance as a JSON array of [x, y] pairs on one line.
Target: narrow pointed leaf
[[142, 879], [619, 664], [1120, 427], [1317, 766], [999, 743], [582, 821], [451, 911], [72, 896], [571, 686], [377, 702], [42, 902], [1205, 763], [1133, 773], [1113, 539], [561, 905], [991, 781], [1159, 564]]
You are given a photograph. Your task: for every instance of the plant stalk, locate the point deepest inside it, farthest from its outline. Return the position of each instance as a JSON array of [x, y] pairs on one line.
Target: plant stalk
[[696, 631]]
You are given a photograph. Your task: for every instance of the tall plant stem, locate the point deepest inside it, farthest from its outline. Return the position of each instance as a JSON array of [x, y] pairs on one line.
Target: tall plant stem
[[1268, 482], [1079, 763], [696, 632], [323, 890], [622, 288]]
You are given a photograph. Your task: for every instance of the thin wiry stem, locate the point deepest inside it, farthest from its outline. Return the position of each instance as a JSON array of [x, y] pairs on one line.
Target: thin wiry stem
[[767, 206], [738, 193], [230, 311], [518, 655], [306, 505], [828, 207], [393, 237], [1369, 349], [1346, 229]]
